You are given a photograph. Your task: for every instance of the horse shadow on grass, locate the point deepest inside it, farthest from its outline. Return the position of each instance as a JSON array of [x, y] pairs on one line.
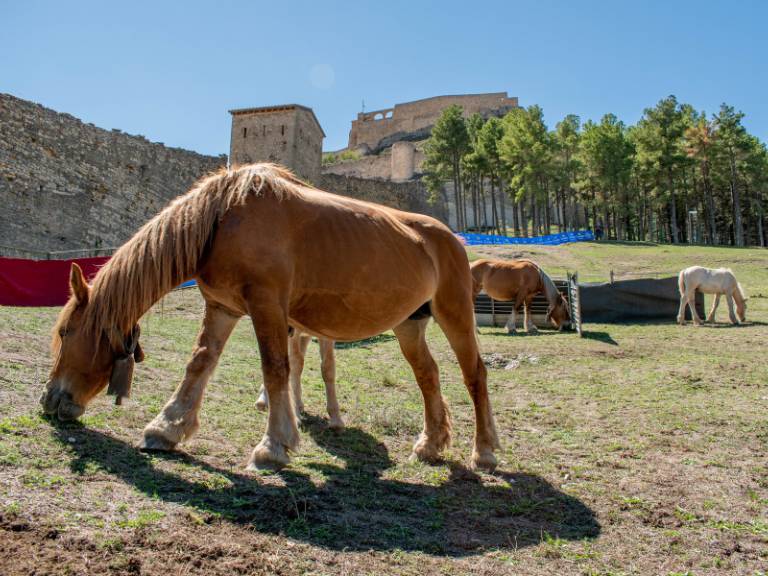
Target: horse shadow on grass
[[355, 508], [604, 337]]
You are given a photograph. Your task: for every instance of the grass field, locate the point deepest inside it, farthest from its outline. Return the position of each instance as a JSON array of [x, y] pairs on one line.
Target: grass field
[[639, 449]]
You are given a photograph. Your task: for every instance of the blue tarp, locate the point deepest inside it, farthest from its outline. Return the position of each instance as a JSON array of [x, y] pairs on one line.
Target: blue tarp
[[550, 239]]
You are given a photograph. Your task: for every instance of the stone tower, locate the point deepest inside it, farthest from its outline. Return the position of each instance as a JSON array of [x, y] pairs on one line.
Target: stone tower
[[402, 161], [288, 134]]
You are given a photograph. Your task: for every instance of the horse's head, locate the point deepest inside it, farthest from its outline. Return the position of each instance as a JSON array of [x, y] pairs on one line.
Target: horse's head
[[83, 362], [558, 313], [740, 298], [741, 309]]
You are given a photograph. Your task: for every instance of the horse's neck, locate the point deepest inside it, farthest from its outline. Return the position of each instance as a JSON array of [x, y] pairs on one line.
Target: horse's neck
[[125, 294]]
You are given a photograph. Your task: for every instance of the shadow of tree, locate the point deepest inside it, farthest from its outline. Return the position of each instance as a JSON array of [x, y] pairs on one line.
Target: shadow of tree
[[726, 324], [355, 508]]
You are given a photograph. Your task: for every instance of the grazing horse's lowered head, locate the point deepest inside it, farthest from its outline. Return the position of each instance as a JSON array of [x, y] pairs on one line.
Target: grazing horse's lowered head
[[558, 313], [85, 360]]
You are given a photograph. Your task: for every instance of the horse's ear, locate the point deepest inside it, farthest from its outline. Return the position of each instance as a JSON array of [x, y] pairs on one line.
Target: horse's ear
[[77, 284]]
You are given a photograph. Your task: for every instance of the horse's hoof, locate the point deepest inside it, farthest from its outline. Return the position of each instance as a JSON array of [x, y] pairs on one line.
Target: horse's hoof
[[484, 460], [425, 456], [268, 455], [425, 451], [336, 423], [156, 443]]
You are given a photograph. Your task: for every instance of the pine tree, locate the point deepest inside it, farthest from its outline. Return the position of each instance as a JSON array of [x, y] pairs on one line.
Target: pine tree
[[443, 151]]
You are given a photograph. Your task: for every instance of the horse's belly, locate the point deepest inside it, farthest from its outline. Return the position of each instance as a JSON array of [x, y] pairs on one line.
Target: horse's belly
[[353, 316]]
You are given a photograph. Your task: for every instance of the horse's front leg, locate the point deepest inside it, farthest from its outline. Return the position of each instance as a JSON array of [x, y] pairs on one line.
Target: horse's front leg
[[511, 324], [731, 313], [328, 368], [271, 326], [297, 350], [530, 327], [178, 419], [715, 303]]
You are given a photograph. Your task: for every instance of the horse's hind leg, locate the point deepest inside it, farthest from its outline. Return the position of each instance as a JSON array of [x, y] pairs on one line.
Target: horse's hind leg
[[691, 298], [731, 313], [328, 368], [437, 422], [455, 315], [681, 311], [297, 351], [715, 303], [178, 419], [271, 326]]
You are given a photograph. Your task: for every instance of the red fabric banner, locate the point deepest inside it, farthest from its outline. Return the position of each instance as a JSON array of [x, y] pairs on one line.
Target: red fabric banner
[[41, 282]]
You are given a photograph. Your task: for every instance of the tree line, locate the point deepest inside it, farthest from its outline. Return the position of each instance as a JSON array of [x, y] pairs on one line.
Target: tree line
[[678, 175]]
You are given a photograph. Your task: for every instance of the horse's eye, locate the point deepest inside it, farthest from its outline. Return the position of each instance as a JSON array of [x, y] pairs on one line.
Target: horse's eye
[[63, 332]]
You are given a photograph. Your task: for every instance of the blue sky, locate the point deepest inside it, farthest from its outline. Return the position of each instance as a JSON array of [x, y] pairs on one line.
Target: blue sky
[[171, 70]]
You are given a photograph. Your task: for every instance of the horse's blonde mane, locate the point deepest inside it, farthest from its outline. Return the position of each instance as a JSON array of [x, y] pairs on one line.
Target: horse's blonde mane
[[741, 291], [550, 290], [167, 250]]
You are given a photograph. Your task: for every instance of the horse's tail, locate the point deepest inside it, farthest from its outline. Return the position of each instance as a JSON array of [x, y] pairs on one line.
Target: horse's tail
[[681, 282]]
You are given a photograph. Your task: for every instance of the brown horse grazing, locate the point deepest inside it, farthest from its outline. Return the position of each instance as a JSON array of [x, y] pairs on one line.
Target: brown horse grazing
[[520, 280], [297, 351], [262, 243]]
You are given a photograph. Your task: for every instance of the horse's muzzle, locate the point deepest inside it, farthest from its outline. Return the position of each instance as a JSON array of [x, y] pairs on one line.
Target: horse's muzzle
[[60, 404]]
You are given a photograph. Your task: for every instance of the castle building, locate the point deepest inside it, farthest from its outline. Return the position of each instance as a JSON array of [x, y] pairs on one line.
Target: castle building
[[373, 131], [287, 134]]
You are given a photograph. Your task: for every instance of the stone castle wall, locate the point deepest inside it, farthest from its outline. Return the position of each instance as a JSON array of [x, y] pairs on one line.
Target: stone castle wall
[[378, 166], [411, 196], [68, 185], [412, 120]]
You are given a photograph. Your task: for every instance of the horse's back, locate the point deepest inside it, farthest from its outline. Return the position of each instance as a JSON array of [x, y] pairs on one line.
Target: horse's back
[[507, 279], [709, 280], [351, 269]]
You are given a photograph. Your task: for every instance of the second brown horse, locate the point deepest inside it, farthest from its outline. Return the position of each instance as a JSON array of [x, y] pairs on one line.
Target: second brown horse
[[519, 281]]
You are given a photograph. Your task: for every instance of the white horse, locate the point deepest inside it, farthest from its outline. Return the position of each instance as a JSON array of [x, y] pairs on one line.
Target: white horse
[[297, 350], [710, 281]]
